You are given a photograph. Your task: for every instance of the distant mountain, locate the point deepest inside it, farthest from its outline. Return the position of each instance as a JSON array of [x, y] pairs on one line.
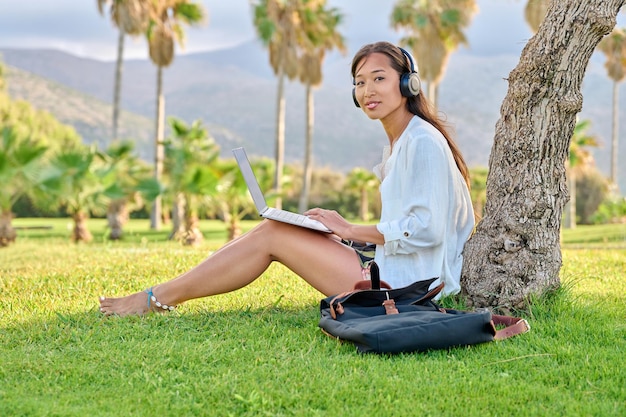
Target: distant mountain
[[90, 116], [233, 92]]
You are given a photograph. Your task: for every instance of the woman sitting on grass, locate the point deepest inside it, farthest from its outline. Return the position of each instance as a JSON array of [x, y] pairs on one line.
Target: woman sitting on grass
[[426, 215]]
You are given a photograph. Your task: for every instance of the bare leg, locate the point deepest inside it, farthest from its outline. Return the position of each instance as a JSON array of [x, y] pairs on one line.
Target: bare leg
[[319, 259]]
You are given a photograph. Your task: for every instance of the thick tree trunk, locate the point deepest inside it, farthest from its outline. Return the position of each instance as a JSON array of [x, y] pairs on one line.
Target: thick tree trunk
[[515, 251]]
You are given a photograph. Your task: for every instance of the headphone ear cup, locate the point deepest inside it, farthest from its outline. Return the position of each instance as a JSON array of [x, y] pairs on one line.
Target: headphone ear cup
[[410, 84], [356, 102]]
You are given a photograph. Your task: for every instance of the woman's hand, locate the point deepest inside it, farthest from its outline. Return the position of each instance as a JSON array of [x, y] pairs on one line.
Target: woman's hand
[[331, 219], [345, 230]]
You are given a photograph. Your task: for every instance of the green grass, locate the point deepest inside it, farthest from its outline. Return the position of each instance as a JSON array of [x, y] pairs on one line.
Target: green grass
[[258, 351], [601, 236]]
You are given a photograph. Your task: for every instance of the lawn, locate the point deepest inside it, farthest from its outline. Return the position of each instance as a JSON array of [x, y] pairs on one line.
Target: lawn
[[259, 352]]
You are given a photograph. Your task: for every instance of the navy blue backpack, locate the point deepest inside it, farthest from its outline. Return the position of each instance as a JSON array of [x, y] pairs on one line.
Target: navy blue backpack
[[378, 319]]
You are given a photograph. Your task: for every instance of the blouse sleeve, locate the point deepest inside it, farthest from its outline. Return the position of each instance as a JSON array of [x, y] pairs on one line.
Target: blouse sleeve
[[419, 209]]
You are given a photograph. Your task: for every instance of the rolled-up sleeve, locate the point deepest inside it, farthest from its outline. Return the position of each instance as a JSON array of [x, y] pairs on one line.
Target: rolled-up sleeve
[[415, 197]]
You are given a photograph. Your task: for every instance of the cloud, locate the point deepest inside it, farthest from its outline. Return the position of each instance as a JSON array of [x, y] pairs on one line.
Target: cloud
[[77, 27]]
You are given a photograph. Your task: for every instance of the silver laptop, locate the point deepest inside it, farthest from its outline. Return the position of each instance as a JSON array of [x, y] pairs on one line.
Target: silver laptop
[[261, 205]]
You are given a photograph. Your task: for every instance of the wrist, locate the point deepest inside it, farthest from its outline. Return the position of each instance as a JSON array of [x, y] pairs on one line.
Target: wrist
[[349, 233]]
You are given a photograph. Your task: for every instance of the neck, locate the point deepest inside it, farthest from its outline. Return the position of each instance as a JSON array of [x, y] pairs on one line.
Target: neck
[[395, 125]]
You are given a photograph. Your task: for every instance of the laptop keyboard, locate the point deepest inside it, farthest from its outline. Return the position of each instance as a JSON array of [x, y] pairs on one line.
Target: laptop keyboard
[[287, 215], [294, 218]]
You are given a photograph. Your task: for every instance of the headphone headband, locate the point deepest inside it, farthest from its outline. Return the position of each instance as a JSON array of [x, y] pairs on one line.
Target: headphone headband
[[409, 58]]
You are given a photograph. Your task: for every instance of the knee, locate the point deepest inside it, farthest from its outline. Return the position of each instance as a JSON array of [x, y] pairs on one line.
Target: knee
[[269, 229]]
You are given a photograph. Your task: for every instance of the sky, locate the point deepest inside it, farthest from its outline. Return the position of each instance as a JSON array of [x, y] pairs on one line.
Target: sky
[[76, 27]]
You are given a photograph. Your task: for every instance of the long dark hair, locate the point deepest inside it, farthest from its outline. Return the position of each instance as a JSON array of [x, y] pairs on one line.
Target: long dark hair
[[419, 105]]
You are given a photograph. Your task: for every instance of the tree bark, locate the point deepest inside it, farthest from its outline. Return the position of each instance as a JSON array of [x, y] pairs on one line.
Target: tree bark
[[515, 252]]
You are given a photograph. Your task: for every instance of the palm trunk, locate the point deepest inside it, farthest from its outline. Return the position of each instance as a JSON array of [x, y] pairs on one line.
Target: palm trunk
[[193, 235], [81, 233], [432, 93], [280, 140], [364, 208], [159, 152], [118, 83], [7, 232], [572, 201], [308, 152], [614, 134], [570, 207], [178, 217], [117, 216], [234, 227]]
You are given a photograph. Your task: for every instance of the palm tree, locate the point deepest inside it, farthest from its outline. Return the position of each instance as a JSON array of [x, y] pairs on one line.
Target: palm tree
[[321, 25], [130, 17], [535, 12], [435, 30], [78, 180], [166, 27], [133, 177], [580, 159], [20, 167], [278, 23], [191, 174], [614, 47], [364, 182], [27, 136], [231, 202]]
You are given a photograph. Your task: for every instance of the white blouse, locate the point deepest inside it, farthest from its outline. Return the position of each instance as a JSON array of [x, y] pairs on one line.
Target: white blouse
[[427, 213]]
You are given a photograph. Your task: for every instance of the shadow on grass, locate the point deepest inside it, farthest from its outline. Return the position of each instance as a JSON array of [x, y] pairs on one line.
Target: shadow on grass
[[92, 330]]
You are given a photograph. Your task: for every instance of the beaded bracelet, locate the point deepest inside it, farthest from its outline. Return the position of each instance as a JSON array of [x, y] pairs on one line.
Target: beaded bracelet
[[152, 298]]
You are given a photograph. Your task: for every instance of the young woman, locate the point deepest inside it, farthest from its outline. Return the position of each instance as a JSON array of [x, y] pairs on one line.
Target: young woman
[[426, 215]]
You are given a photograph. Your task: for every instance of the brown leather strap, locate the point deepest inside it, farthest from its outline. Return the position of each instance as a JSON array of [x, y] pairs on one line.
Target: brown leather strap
[[333, 314], [514, 326], [359, 286], [390, 307]]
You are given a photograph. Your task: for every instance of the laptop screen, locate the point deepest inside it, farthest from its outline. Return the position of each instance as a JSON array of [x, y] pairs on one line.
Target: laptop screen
[[251, 182]]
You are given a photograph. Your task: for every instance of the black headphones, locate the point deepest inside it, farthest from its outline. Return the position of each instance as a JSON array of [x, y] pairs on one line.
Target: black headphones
[[410, 83]]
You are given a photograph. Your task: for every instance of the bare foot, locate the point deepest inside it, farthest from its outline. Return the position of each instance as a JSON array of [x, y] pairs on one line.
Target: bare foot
[[134, 304]]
